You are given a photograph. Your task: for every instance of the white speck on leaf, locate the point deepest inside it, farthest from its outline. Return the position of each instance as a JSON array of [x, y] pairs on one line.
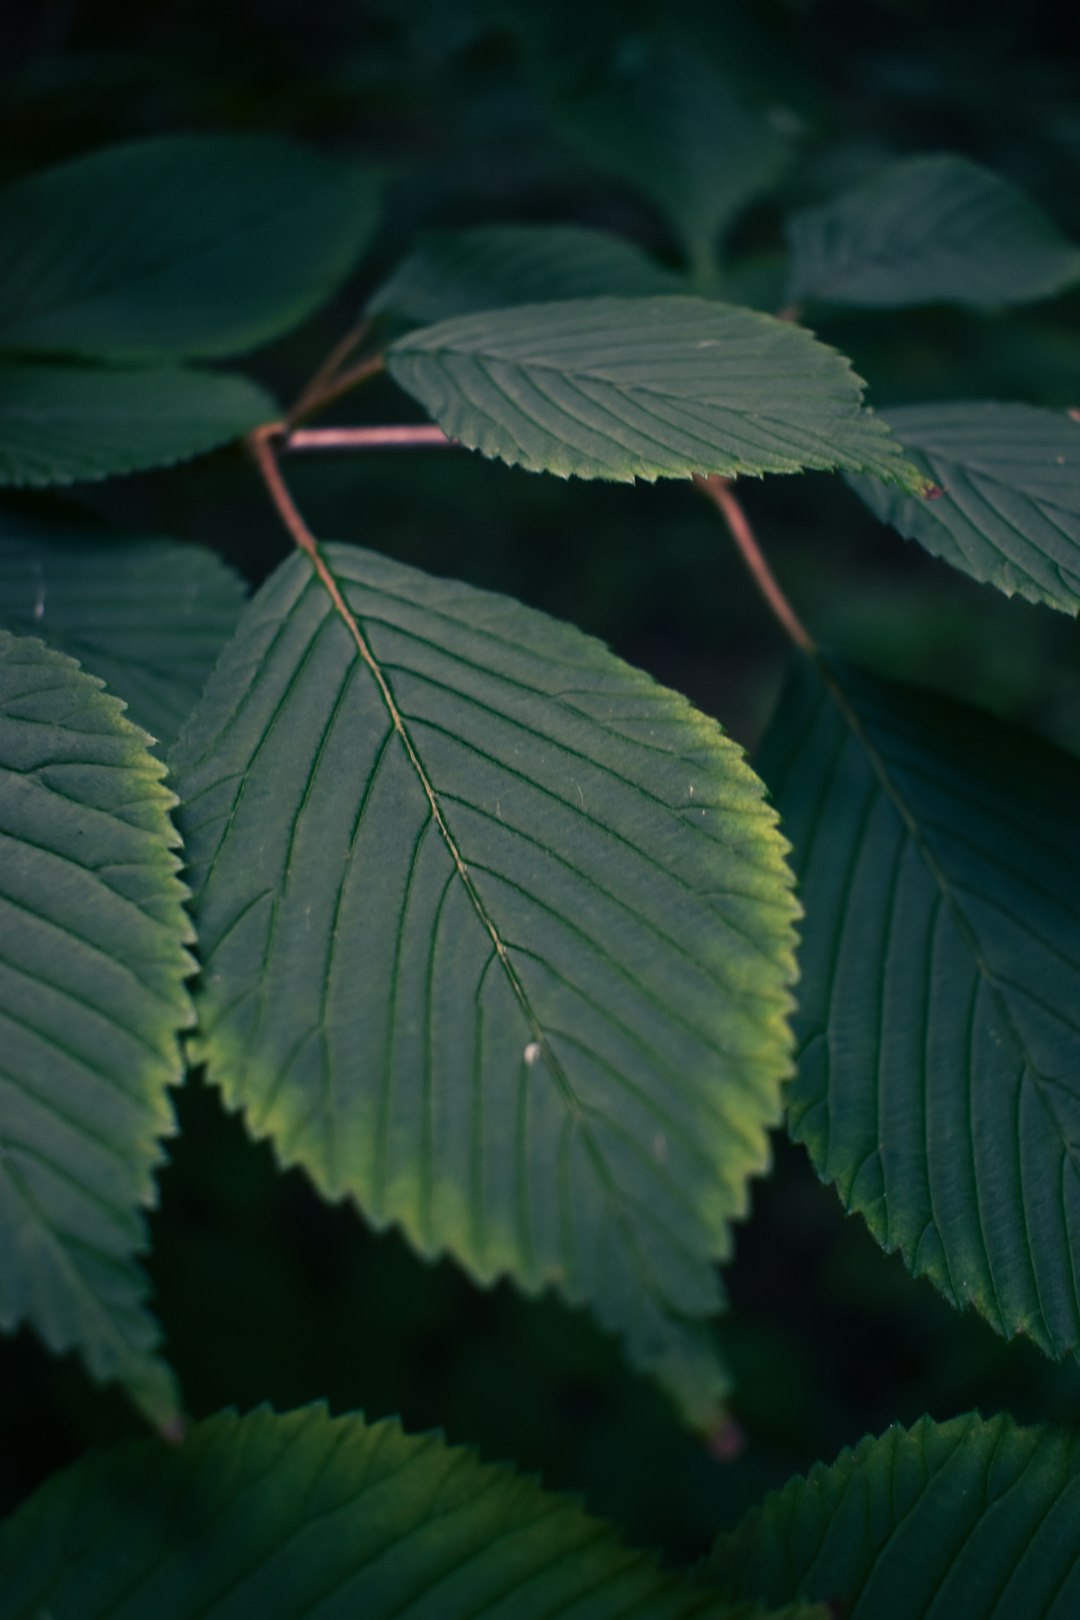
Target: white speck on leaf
[[532, 1053]]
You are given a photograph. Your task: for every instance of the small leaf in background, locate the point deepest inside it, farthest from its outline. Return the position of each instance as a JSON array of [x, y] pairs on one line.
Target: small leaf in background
[[63, 424], [929, 230], [939, 1070], [92, 970], [1009, 514], [147, 616], [497, 937], [459, 272], [183, 245], [626, 388], [973, 1519], [666, 122], [281, 1516]]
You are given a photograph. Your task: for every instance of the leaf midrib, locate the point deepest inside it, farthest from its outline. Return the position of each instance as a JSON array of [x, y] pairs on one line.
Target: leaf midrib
[[576, 1115]]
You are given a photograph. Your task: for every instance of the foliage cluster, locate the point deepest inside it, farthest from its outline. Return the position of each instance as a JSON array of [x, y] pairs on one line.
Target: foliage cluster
[[495, 938]]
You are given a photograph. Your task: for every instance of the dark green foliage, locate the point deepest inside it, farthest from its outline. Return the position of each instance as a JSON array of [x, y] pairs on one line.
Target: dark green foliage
[[964, 1520], [280, 1516], [495, 931]]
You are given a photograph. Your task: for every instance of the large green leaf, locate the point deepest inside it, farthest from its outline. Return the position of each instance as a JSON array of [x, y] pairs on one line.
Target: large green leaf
[[1010, 512], [939, 1075], [459, 272], [664, 120], [181, 245], [929, 230], [148, 616], [284, 1517], [627, 388], [497, 936], [91, 999], [968, 1520], [61, 424]]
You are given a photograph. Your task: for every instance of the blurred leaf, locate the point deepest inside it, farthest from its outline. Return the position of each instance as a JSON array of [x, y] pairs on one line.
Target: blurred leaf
[[184, 245], [460, 272], [60, 424], [939, 1074], [1010, 514], [929, 230], [147, 616], [971, 1519], [626, 388], [496, 937], [91, 999], [300, 1514], [665, 121]]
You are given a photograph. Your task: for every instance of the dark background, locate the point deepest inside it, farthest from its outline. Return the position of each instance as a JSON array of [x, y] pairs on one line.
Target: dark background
[[265, 1293]]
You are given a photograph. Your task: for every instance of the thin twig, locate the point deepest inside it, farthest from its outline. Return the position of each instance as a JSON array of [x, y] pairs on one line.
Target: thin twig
[[261, 445], [339, 384], [311, 396], [411, 436], [719, 492]]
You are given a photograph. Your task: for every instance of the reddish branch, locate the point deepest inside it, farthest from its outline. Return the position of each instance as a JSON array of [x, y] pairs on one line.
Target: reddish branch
[[719, 492]]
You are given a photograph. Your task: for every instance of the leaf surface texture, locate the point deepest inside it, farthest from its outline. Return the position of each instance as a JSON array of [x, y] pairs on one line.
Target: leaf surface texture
[[148, 616], [61, 424], [497, 936], [973, 1519], [1010, 512], [302, 1515], [625, 388], [92, 969], [939, 1047]]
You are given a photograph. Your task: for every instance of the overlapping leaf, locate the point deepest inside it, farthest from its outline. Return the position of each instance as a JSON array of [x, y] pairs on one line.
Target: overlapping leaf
[[1010, 512], [497, 936], [303, 1515], [664, 120], [929, 230], [61, 424], [92, 964], [626, 388], [147, 616], [939, 1075], [183, 245], [967, 1520], [459, 272]]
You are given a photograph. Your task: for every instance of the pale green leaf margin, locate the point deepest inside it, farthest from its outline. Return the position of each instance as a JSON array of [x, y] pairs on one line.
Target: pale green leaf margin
[[269, 1517], [973, 1519], [627, 388], [92, 1037]]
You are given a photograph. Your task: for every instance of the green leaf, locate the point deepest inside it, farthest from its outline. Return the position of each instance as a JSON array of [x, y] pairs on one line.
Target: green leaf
[[91, 999], [967, 1520], [626, 388], [147, 616], [459, 272], [283, 1517], [1010, 512], [939, 1074], [662, 119], [929, 230], [61, 424], [182, 245], [497, 936]]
